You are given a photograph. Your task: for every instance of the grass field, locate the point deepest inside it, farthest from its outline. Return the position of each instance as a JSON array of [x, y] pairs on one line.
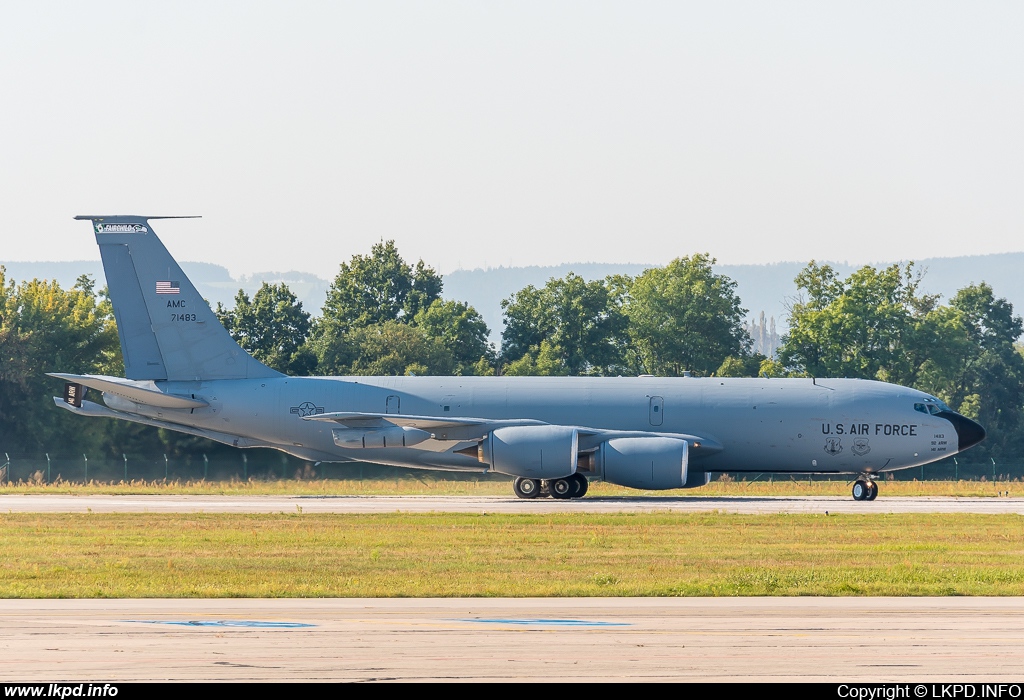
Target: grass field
[[313, 555], [431, 485]]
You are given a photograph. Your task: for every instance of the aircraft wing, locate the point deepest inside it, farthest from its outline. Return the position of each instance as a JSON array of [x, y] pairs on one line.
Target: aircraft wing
[[443, 428], [138, 392], [467, 428]]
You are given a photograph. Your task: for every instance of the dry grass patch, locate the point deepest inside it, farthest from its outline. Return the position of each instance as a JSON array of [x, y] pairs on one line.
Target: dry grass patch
[[433, 486]]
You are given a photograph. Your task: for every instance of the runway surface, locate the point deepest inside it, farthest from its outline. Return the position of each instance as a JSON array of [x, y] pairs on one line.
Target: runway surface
[[498, 504], [617, 639], [556, 639]]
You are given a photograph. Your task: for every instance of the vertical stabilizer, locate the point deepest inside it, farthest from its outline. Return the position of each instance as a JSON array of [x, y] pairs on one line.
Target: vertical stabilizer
[[167, 329]]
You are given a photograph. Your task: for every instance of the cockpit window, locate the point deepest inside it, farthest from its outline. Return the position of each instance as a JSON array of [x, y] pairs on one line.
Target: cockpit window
[[931, 406]]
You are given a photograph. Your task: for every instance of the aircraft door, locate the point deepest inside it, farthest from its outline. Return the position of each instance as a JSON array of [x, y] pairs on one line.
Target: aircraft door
[[394, 404], [657, 410]]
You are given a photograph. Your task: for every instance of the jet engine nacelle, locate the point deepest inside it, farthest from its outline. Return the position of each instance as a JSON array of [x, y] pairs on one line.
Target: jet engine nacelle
[[645, 462], [395, 436], [532, 451]]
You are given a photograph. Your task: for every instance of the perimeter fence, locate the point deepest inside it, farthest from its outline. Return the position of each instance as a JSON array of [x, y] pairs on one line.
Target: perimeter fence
[[264, 465], [952, 469], [268, 465]]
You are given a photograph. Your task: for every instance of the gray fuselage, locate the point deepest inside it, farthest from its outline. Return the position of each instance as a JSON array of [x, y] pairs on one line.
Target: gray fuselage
[[779, 425]]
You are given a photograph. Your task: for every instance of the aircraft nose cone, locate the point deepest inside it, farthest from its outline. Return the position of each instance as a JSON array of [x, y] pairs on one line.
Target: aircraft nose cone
[[968, 433]]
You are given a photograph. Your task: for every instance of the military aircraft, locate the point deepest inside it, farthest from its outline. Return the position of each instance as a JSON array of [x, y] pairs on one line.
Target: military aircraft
[[184, 372]]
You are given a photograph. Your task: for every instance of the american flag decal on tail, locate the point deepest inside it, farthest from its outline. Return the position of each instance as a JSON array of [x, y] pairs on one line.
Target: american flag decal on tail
[[168, 288]]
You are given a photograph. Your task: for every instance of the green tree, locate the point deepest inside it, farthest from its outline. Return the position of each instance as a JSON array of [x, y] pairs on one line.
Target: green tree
[[582, 323], [380, 287], [425, 288], [369, 290], [461, 331], [272, 327], [866, 326], [393, 348], [685, 317], [44, 328], [773, 369], [545, 361], [746, 366]]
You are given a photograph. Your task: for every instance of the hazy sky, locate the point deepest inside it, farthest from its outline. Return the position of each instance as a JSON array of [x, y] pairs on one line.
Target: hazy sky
[[489, 133]]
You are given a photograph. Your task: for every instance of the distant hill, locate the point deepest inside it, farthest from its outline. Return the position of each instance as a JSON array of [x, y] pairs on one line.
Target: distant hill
[[765, 287], [214, 282]]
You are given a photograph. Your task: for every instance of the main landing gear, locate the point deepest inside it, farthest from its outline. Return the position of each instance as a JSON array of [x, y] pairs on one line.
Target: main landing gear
[[864, 490], [574, 486]]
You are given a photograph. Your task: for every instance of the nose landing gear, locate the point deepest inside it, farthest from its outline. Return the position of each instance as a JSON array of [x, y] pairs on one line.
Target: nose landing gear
[[864, 489]]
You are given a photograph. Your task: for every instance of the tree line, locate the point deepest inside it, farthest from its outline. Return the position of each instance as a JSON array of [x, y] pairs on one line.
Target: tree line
[[385, 316]]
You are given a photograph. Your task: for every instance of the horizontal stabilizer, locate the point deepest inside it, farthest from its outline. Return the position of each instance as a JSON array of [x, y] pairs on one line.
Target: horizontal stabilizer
[[95, 410], [87, 217], [139, 392]]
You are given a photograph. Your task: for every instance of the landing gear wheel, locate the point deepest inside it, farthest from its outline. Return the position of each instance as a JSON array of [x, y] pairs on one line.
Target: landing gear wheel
[[872, 491], [561, 488], [526, 488], [580, 485], [861, 490]]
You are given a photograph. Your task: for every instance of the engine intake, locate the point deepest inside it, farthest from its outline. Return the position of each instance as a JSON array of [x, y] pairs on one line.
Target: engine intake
[[532, 451], [644, 462]]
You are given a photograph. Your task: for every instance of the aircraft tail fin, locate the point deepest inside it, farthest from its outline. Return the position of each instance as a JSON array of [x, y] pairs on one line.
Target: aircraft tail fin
[[167, 329]]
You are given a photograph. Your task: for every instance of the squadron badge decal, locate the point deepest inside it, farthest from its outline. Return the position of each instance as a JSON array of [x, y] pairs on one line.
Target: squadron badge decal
[[833, 445]]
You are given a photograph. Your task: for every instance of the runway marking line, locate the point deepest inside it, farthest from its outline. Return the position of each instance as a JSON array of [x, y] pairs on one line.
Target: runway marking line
[[547, 622], [226, 623]]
